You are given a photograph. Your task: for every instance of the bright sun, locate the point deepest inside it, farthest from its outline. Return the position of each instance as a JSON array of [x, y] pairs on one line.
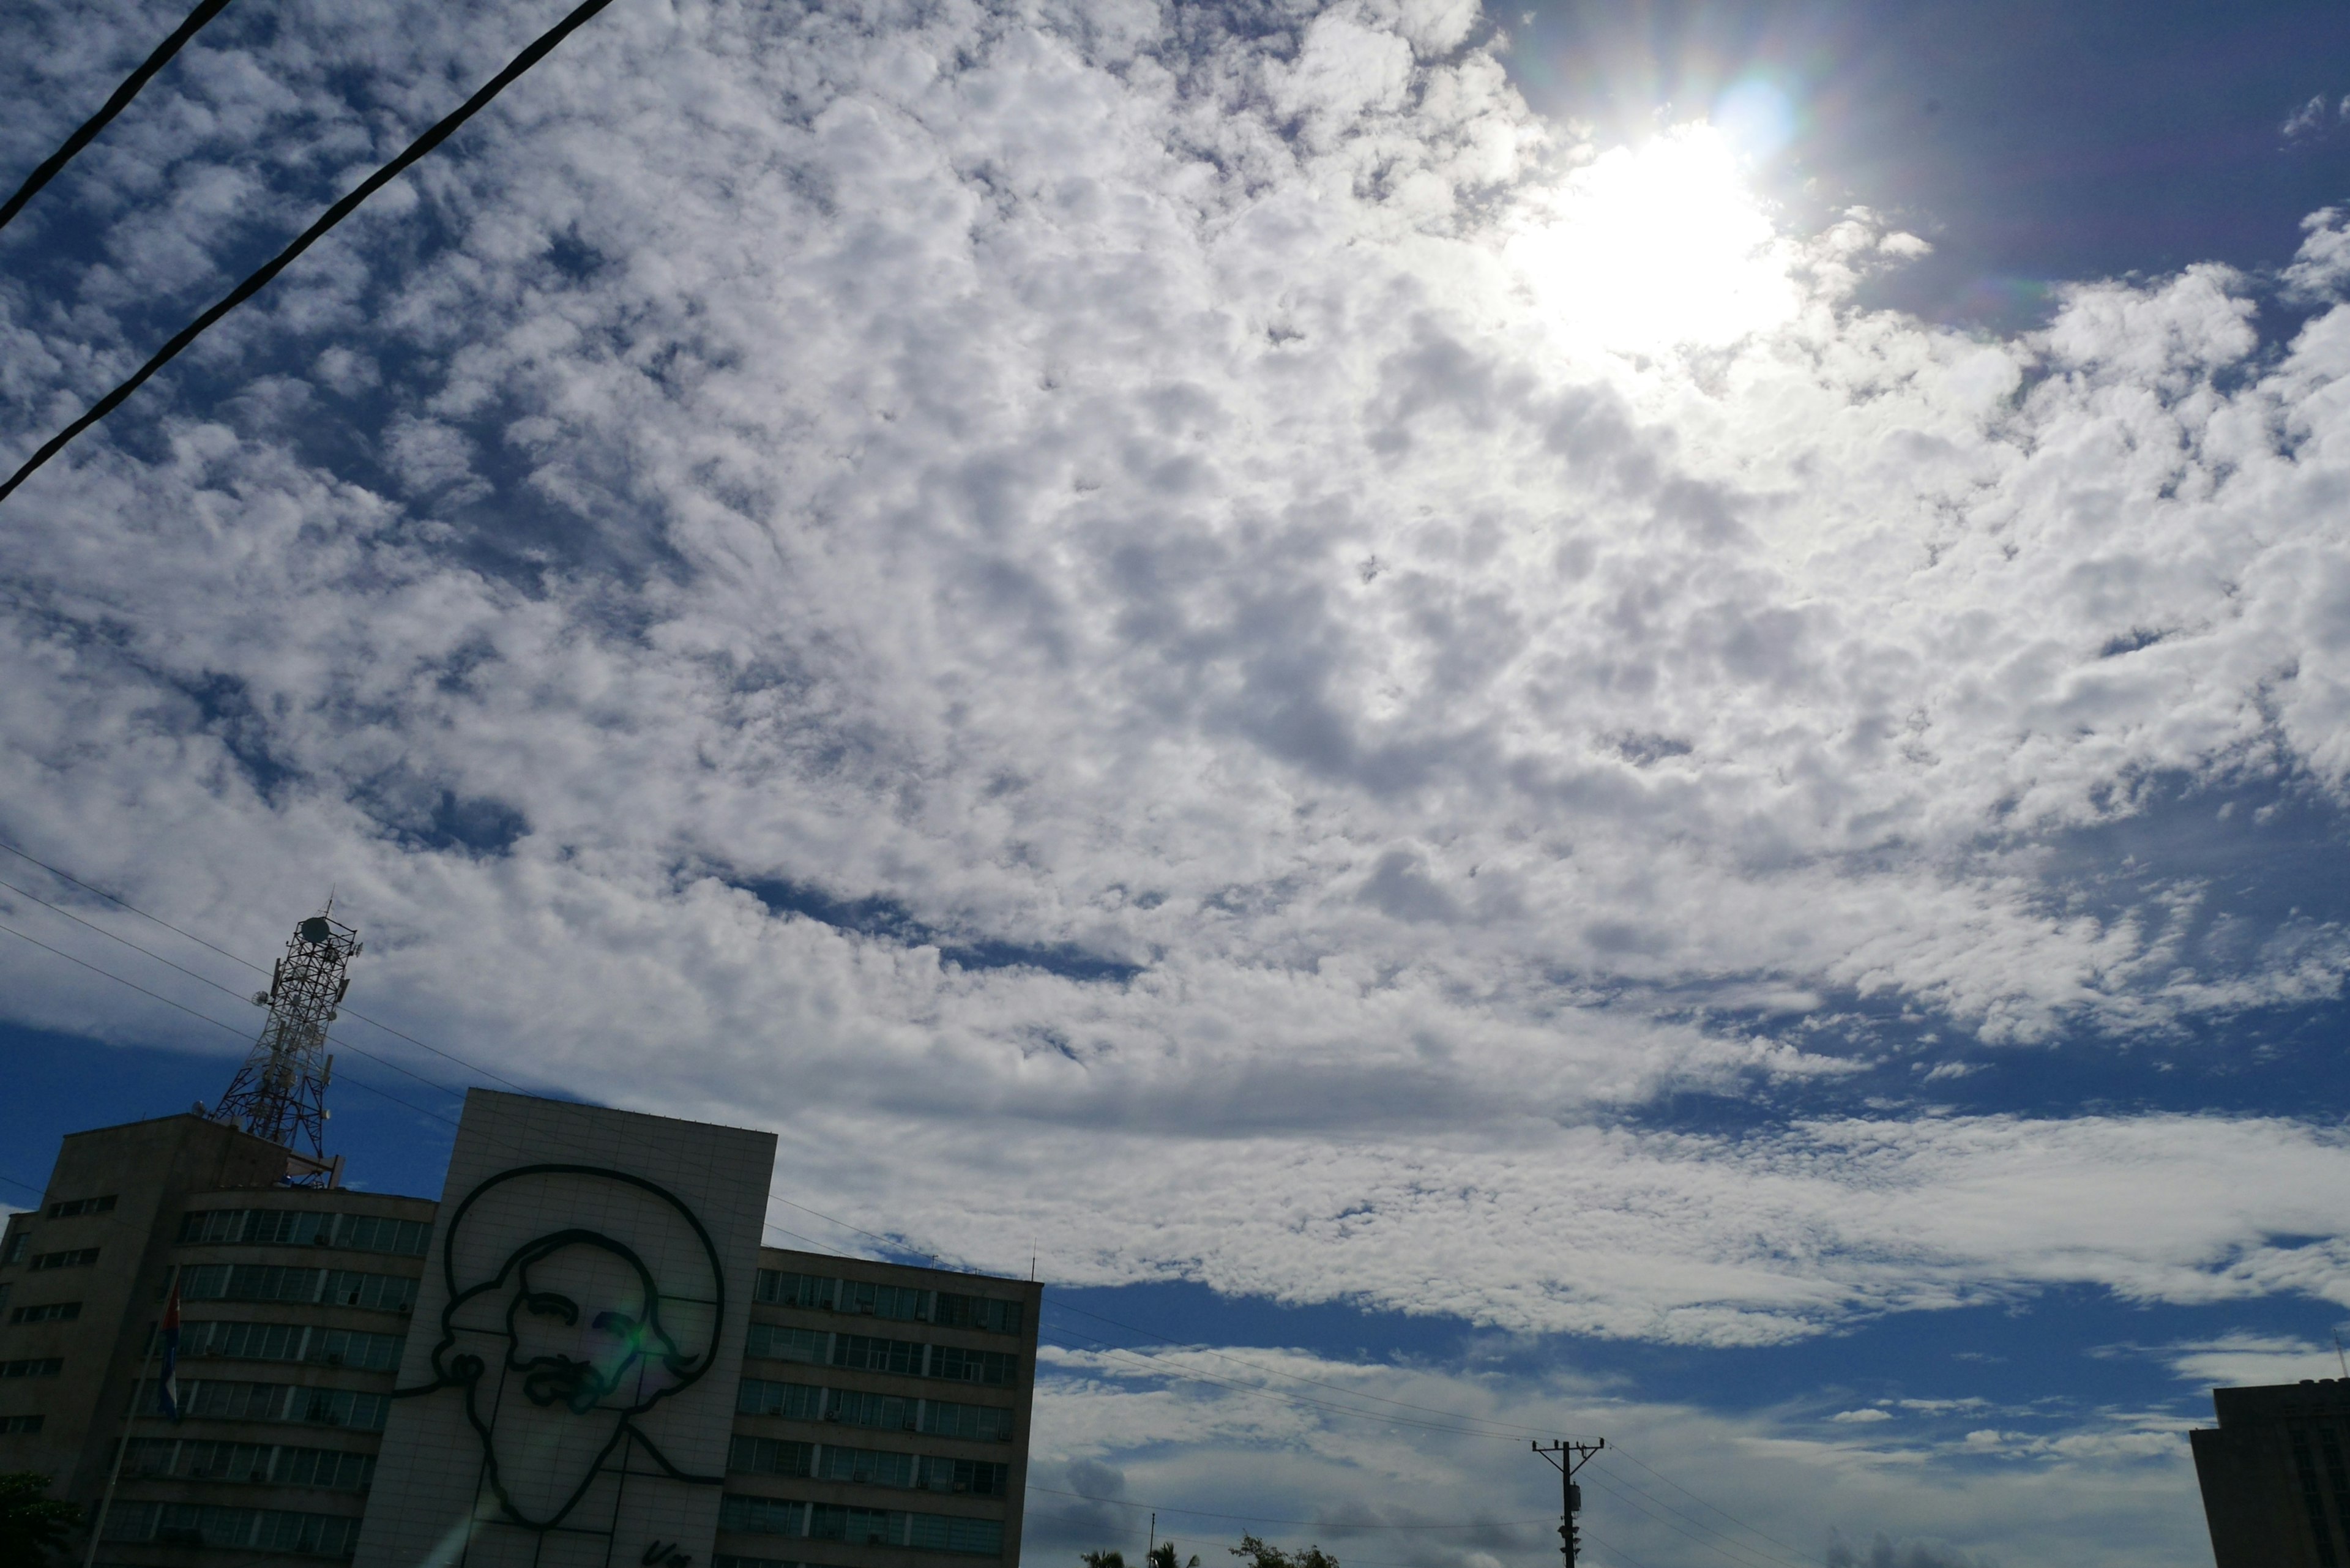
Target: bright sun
[[1659, 246]]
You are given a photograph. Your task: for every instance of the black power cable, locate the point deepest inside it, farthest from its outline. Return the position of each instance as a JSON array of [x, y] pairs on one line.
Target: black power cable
[[96, 122], [539, 48]]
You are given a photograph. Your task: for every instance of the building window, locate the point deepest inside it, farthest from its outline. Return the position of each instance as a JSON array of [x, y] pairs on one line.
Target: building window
[[792, 1401], [304, 1227], [775, 1343], [67, 1209], [980, 1478], [865, 1353], [14, 1251], [900, 1302], [293, 1342], [989, 1313], [993, 1367], [37, 1367], [761, 1515], [889, 1527], [777, 1288], [859, 1526], [246, 1529], [49, 1312], [890, 1412], [276, 1282], [373, 1233], [216, 1400], [767, 1457], [905, 1303], [865, 1467], [2307, 1472], [944, 1532], [79, 1258], [19, 1425], [973, 1423]]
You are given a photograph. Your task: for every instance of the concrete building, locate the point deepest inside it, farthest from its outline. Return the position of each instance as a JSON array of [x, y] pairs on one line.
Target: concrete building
[[580, 1355], [2276, 1475]]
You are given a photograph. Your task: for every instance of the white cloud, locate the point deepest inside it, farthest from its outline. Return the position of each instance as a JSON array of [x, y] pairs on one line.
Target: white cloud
[[1779, 1484], [2321, 268], [2247, 1359], [1091, 487], [2318, 116]]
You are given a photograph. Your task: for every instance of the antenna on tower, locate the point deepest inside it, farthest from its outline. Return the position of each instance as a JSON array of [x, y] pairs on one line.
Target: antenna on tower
[[280, 1092]]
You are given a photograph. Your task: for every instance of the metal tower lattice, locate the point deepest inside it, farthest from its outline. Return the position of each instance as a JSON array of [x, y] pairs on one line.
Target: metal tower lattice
[[280, 1092]]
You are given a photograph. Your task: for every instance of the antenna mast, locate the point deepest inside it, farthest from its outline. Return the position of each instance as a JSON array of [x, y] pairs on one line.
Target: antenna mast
[[280, 1092]]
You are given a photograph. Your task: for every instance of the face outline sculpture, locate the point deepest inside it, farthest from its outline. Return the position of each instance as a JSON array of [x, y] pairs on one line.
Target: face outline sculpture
[[556, 1344]]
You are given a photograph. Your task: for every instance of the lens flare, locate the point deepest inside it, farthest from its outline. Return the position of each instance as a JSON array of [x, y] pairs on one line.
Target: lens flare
[[1659, 246], [1756, 118]]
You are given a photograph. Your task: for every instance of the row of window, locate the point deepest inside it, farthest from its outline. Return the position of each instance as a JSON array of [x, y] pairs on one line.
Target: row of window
[[276, 1283], [73, 1206], [305, 1228], [77, 1258], [890, 1412], [868, 1353], [2307, 1473], [723, 1561], [949, 1309], [861, 1526], [865, 1467], [19, 1425], [49, 1312], [197, 1458], [212, 1399], [249, 1529], [34, 1366], [293, 1342]]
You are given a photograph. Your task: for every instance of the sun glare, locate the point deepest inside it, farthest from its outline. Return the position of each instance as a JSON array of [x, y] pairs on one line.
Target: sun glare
[[1658, 246]]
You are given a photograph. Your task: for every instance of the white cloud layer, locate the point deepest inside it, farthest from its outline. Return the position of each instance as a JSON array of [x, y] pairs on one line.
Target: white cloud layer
[[1115, 505], [1783, 1485]]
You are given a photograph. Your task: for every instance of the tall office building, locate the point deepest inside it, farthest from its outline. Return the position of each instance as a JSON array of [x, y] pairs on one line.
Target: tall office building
[[2276, 1475], [579, 1358]]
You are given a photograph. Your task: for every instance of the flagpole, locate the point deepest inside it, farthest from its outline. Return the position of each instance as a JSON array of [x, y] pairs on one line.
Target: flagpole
[[122, 1445]]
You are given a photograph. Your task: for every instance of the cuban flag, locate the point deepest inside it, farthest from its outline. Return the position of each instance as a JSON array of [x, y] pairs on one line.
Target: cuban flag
[[167, 1391]]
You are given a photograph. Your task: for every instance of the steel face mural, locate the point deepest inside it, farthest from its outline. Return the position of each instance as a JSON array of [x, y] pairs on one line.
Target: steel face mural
[[557, 1336]]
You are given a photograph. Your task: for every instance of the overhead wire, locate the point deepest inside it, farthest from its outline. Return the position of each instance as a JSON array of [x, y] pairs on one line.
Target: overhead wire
[[22, 1185], [336, 1041], [208, 1018], [178, 930], [88, 129], [1270, 1519], [1611, 1480], [1182, 1374], [1737, 1552], [1701, 1502], [1510, 1431], [538, 49]]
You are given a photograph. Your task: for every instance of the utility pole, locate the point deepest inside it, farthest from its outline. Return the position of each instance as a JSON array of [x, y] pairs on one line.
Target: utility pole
[[1567, 1458]]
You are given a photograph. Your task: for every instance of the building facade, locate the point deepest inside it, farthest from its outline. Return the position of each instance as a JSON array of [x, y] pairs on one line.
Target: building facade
[[579, 1356], [2276, 1475]]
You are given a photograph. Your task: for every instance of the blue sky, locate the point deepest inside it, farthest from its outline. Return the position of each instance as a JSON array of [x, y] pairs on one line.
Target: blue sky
[[1549, 721]]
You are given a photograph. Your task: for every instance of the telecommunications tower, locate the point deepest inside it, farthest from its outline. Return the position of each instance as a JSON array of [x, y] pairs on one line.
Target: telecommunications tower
[[280, 1092]]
